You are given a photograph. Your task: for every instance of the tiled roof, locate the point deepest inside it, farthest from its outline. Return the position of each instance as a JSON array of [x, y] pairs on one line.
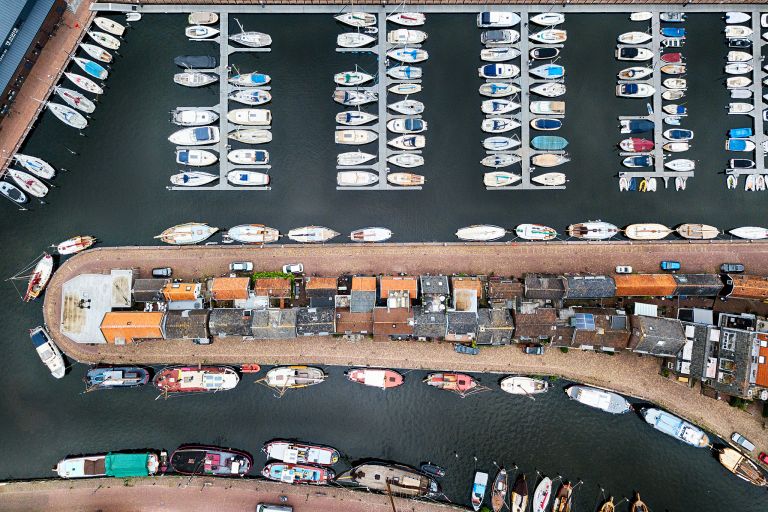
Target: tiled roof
[[698, 285], [272, 287], [186, 324], [429, 324], [274, 324], [398, 283], [225, 322], [436, 285], [348, 322], [589, 287], [364, 283], [645, 285], [230, 288], [656, 336], [495, 326], [320, 283], [392, 321], [315, 321], [544, 287]]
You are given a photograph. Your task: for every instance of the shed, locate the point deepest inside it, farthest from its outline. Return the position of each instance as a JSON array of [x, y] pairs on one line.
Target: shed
[[740, 286], [229, 288], [363, 294], [149, 290], [273, 324], [429, 325], [645, 285], [186, 324], [546, 287], [315, 321], [121, 327], [698, 285], [663, 337], [354, 323], [461, 326], [589, 287], [394, 323], [226, 322], [182, 291], [321, 291], [494, 326], [273, 287]]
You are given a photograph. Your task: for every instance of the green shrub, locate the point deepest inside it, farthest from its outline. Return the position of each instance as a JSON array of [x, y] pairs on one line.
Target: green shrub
[[564, 350]]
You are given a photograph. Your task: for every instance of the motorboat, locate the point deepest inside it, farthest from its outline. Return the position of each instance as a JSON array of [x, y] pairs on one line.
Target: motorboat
[[672, 58], [192, 179], [548, 71], [737, 68], [405, 179], [497, 19], [312, 234], [499, 54], [250, 116], [407, 125], [739, 145], [673, 69], [635, 73], [676, 147], [185, 117], [353, 158], [549, 36], [75, 244], [549, 89], [674, 109], [75, 99], [672, 120], [601, 399], [502, 37], [648, 231], [750, 233], [519, 385], [544, 52], [84, 83], [352, 78], [678, 134], [96, 52], [406, 142], [405, 88], [736, 17], [742, 466], [635, 90], [737, 32], [498, 106], [498, 89], [499, 160], [636, 145], [497, 179], [356, 178], [195, 157], [404, 72], [355, 137], [200, 32], [355, 118], [67, 115], [187, 234], [550, 179], [738, 56], [106, 40], [518, 498], [252, 79], [547, 19], [354, 40], [248, 156], [479, 487], [675, 83], [407, 107], [740, 133], [636, 125], [116, 377], [535, 232], [672, 95], [547, 107], [500, 143], [741, 163], [634, 37], [549, 160], [251, 97], [542, 495], [112, 464], [498, 71], [194, 78], [203, 18], [407, 19], [251, 135], [196, 460], [38, 279], [408, 55], [253, 234], [356, 19], [673, 32], [252, 39], [549, 143], [499, 124], [293, 452], [546, 123], [370, 235], [739, 43], [407, 160], [197, 136], [406, 36], [737, 82], [247, 178], [680, 164], [593, 230], [91, 68], [641, 16], [354, 98], [697, 231], [633, 53]]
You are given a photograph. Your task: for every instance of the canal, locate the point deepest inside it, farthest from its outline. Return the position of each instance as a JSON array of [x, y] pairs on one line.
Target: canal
[[115, 189]]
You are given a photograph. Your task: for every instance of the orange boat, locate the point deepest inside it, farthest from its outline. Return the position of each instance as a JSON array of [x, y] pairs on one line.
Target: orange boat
[[39, 278], [250, 368], [457, 382], [375, 377]]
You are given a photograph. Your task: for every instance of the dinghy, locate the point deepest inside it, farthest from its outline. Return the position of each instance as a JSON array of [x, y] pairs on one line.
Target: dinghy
[[499, 71], [196, 157], [252, 39], [91, 68], [632, 53], [200, 32], [407, 160], [252, 97], [500, 54], [195, 136], [738, 56], [497, 19], [636, 125], [105, 40], [405, 88], [354, 40], [355, 118], [194, 79], [405, 179], [246, 178], [680, 164], [183, 117], [193, 179], [680, 183], [547, 19], [737, 82], [544, 52], [406, 36], [407, 142], [370, 235], [408, 55], [84, 83], [252, 79], [481, 233], [635, 90], [404, 72], [497, 179], [550, 179], [499, 143], [749, 184], [673, 69], [549, 90], [737, 32], [313, 235], [187, 234], [354, 98], [634, 37], [547, 107], [593, 230], [251, 136], [736, 17], [36, 166], [731, 182], [535, 232], [248, 156], [499, 160], [636, 145], [356, 19], [74, 99], [737, 68], [355, 137], [352, 78], [549, 160], [109, 26], [498, 89], [549, 143], [548, 71], [203, 18], [67, 115], [635, 73], [97, 52], [750, 233], [678, 134], [498, 106], [356, 178], [407, 125], [676, 147], [499, 125], [546, 123], [549, 36], [253, 234], [407, 19], [352, 158], [407, 107], [638, 161], [641, 16], [250, 116], [28, 183]]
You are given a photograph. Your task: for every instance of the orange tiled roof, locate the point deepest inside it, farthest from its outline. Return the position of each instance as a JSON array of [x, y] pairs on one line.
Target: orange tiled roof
[[749, 287], [762, 368], [132, 325], [644, 285], [363, 284], [272, 287], [321, 283], [230, 288], [180, 291], [398, 283], [468, 283]]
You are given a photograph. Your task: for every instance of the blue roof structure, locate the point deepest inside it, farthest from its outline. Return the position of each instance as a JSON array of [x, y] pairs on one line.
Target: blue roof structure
[[585, 321]]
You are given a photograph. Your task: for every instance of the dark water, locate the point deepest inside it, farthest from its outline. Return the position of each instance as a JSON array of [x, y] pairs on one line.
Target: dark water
[[116, 190]]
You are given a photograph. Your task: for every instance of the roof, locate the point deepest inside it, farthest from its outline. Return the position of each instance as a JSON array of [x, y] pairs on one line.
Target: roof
[[645, 285], [761, 377], [273, 324], [314, 321], [230, 288], [734, 360], [656, 336], [392, 321], [181, 291], [434, 285], [320, 283], [742, 286], [362, 301], [494, 326], [186, 324], [505, 289], [544, 287], [461, 322], [348, 322], [429, 324], [389, 284], [599, 327], [225, 322], [149, 290], [467, 283], [589, 287], [698, 285], [363, 283], [540, 323], [86, 298], [272, 287], [128, 326]]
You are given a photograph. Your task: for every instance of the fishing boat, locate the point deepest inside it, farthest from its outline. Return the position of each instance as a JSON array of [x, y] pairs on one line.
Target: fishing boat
[[499, 124], [481, 233], [183, 117], [294, 377], [739, 145], [75, 99], [500, 143], [498, 106], [252, 79], [91, 68], [547, 107], [407, 19], [736, 17], [635, 90], [697, 231], [246, 178], [405, 88], [36, 166], [500, 179], [195, 136], [186, 234], [105, 40], [356, 178], [678, 134], [499, 54], [535, 232], [606, 401], [544, 52], [84, 83], [194, 78], [210, 461], [67, 115], [200, 32], [253, 234], [354, 40], [407, 142], [498, 89], [404, 36], [203, 18], [116, 465], [195, 379], [636, 125], [635, 73], [195, 157], [408, 55], [518, 498], [636, 145], [542, 495], [353, 158], [352, 78], [407, 160], [312, 234], [28, 183], [738, 56], [251, 135], [676, 147], [354, 98], [46, 349], [549, 36], [549, 143], [404, 72], [648, 231], [355, 137], [96, 52], [549, 160], [370, 235], [549, 89], [750, 233], [517, 385], [634, 37], [680, 164], [394, 479], [502, 37], [456, 382], [478, 490], [39, 277], [356, 19], [297, 473], [75, 244], [546, 123], [673, 94], [741, 466], [192, 178], [547, 19], [250, 116], [293, 452], [252, 39], [676, 427], [405, 179], [737, 32], [375, 377], [195, 61], [499, 71], [633, 53], [593, 230], [740, 108], [497, 19], [499, 160], [113, 377]]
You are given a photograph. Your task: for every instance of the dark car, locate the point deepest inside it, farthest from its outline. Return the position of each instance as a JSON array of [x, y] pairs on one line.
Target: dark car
[[534, 349], [162, 272], [728, 268]]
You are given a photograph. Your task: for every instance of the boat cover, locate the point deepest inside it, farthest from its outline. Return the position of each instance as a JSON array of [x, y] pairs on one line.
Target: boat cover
[[673, 32], [39, 339], [737, 144], [414, 124], [629, 52], [126, 464], [485, 18], [641, 161], [549, 142], [184, 156], [202, 133], [195, 61], [548, 123], [739, 133], [641, 125], [630, 88]]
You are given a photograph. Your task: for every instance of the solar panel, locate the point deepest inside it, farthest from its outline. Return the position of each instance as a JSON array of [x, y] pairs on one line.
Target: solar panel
[[584, 321]]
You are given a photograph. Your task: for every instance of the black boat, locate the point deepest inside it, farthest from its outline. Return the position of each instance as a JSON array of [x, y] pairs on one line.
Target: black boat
[[432, 470], [544, 52], [195, 61], [210, 461]]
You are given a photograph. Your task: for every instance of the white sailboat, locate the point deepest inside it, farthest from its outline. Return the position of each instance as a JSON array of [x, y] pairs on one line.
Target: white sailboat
[[251, 136], [96, 52], [312, 234], [500, 179], [192, 178], [75, 99], [481, 233], [550, 179], [28, 183], [352, 158], [354, 40], [356, 178], [407, 160], [247, 178], [67, 115], [36, 166], [110, 26]]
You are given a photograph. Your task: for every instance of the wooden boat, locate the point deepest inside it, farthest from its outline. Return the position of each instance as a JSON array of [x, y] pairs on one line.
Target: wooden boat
[[405, 179], [112, 464], [354, 98], [353, 158], [84, 83], [294, 452], [641, 16], [356, 19], [634, 37], [91, 68], [194, 79], [549, 90], [518, 385], [608, 506], [252, 97], [195, 379], [105, 40], [96, 52], [697, 231], [187, 234], [375, 377], [352, 78], [750, 233], [547, 107], [542, 495], [740, 465], [356, 178], [250, 116], [593, 230], [500, 143], [499, 124], [75, 244], [535, 232], [184, 117], [639, 505], [408, 55], [407, 160], [606, 401], [498, 71], [676, 427], [478, 490], [197, 136], [394, 479], [39, 277], [75, 99], [562, 501], [518, 498], [36, 166], [633, 53], [481, 233], [406, 36], [635, 73], [499, 54], [370, 235], [407, 142], [200, 32], [647, 231], [47, 350], [193, 178], [251, 136], [203, 18], [253, 234], [252, 79], [252, 39], [210, 461], [549, 160], [498, 89], [404, 72], [547, 19], [195, 157], [354, 40], [28, 183], [407, 19], [312, 234], [113, 377], [405, 88], [499, 160], [67, 115], [355, 137], [456, 382], [549, 36], [246, 178], [294, 377], [407, 125]]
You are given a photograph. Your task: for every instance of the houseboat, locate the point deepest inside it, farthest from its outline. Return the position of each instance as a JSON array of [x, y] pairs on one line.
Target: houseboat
[[210, 461], [192, 379], [300, 453], [297, 473]]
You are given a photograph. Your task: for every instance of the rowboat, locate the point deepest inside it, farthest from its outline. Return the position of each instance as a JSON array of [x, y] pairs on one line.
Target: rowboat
[[75, 244], [405, 179], [407, 142], [312, 234], [107, 25], [375, 377], [192, 178], [636, 145], [405, 88], [352, 78], [356, 178], [634, 37], [546, 123], [184, 117], [47, 350], [635, 73], [500, 71], [200, 32], [84, 83], [356, 19], [248, 156], [406, 36], [547, 19], [549, 36], [252, 79], [673, 69], [354, 40], [246, 178], [12, 193], [535, 232], [549, 143], [500, 179], [499, 124], [547, 107], [118, 465], [407, 160], [408, 54], [370, 235], [550, 179], [562, 501], [251, 136], [353, 158], [647, 231], [132, 16], [750, 233], [499, 54], [593, 230], [97, 52], [105, 40], [203, 18], [498, 89], [676, 427], [194, 78], [697, 231], [210, 461], [355, 137], [606, 401], [252, 97], [498, 106], [633, 53], [294, 452], [641, 16], [28, 183], [549, 160], [407, 125], [195, 136], [481, 233], [75, 99], [253, 234], [500, 143], [252, 39], [404, 72], [39, 277], [549, 89], [250, 116], [518, 498], [195, 157], [635, 90], [499, 490], [518, 385], [67, 115], [354, 98], [497, 19], [407, 19], [187, 234], [680, 164], [548, 71], [542, 495], [741, 466]]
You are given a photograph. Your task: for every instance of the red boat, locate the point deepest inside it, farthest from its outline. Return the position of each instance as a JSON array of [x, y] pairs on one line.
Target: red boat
[[672, 58], [375, 377], [193, 379], [39, 278], [635, 145], [457, 382]]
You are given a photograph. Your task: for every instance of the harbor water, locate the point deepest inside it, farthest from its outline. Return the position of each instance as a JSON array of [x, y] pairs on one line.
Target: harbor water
[[115, 188]]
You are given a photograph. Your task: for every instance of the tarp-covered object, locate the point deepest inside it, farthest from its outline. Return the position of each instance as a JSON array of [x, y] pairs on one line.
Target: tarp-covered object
[[121, 465]]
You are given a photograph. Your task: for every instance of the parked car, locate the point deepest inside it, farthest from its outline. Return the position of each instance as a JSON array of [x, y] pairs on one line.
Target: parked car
[[267, 507], [466, 349], [293, 268], [742, 441], [670, 265], [731, 268], [162, 272], [241, 266], [623, 269], [534, 349], [763, 457]]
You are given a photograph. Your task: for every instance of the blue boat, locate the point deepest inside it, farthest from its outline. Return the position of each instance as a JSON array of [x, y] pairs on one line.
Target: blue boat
[[91, 68], [678, 134], [739, 145], [548, 71], [549, 142], [633, 184], [636, 125], [740, 133], [465, 349], [638, 161], [545, 123], [673, 31], [675, 427], [110, 377]]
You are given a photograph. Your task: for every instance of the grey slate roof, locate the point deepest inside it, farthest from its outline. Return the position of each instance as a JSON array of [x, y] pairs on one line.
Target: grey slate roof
[[544, 287], [186, 324], [656, 336], [699, 285], [362, 301], [27, 16], [148, 290], [225, 322], [734, 362], [437, 285], [273, 324], [321, 298], [589, 287], [495, 326], [429, 324], [461, 322], [315, 321]]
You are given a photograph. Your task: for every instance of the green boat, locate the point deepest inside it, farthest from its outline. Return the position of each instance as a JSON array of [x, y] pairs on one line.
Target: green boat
[[117, 465], [549, 142]]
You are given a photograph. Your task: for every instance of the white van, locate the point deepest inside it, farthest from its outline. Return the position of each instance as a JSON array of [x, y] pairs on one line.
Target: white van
[[266, 507]]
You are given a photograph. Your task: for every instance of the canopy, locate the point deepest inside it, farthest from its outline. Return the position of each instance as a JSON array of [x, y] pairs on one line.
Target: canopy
[[126, 464], [184, 156]]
